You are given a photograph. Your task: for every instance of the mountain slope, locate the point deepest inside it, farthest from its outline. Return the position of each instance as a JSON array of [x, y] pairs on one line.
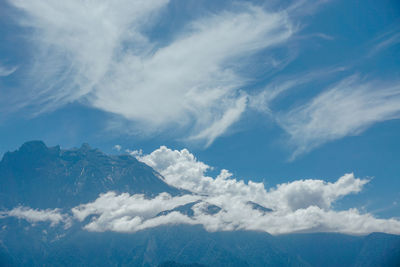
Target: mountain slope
[[192, 244], [42, 177]]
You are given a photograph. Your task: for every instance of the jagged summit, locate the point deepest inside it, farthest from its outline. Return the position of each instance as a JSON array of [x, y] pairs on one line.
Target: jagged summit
[[85, 146], [187, 209], [35, 145], [35, 148], [49, 177]]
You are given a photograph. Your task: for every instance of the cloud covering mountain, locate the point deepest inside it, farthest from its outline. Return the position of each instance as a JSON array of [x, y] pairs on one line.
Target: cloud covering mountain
[[220, 203]]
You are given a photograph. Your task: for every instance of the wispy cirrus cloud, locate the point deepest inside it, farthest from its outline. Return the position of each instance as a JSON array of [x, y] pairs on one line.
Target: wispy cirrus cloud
[[385, 41], [348, 108], [6, 71], [195, 83], [74, 43], [261, 100], [99, 53]]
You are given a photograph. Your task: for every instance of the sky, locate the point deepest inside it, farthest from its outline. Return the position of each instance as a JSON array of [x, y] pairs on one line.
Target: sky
[[276, 92]]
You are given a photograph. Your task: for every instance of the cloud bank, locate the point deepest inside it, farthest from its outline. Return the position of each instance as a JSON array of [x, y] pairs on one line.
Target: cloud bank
[[220, 204], [125, 213], [182, 170]]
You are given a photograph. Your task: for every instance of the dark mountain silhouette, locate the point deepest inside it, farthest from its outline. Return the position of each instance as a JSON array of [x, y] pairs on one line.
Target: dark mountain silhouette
[[258, 207], [188, 211], [42, 177]]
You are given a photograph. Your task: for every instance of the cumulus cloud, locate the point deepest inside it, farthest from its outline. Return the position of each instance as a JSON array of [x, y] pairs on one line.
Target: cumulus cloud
[[35, 215], [181, 169], [99, 52], [349, 108], [302, 194]]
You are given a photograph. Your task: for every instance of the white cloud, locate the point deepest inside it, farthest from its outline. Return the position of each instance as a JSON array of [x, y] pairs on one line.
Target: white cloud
[[181, 169], [135, 153], [348, 108], [77, 41], [385, 41], [315, 219], [35, 215], [5, 71], [220, 126], [262, 100], [302, 194], [117, 147], [124, 213], [97, 52]]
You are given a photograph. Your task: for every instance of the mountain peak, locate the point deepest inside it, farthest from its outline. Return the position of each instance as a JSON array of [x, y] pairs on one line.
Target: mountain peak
[[33, 146], [85, 147], [67, 177], [34, 151]]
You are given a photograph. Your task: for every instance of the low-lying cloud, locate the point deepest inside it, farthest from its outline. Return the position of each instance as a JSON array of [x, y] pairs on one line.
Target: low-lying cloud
[[53, 216], [220, 204], [126, 213], [111, 213]]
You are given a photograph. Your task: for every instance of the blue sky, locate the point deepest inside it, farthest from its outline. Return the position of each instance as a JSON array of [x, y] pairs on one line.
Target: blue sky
[[273, 91]]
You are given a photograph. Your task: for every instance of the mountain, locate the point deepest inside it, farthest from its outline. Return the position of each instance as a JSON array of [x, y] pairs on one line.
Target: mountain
[[44, 177], [175, 264], [333, 249], [189, 245], [50, 177]]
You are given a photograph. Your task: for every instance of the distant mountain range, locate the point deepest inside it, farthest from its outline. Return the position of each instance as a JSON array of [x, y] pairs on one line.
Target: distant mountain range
[[40, 177]]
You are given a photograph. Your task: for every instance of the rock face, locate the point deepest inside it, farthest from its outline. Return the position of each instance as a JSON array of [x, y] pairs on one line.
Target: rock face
[[187, 209], [49, 177]]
